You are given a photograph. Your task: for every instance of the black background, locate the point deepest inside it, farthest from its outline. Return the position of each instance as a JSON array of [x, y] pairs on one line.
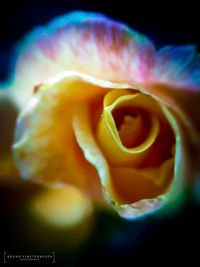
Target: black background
[[114, 241]]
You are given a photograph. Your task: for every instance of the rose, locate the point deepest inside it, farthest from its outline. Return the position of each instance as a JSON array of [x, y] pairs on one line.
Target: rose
[[115, 104]]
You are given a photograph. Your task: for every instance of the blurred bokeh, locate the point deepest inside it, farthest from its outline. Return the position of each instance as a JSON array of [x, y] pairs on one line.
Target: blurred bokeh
[[103, 238]]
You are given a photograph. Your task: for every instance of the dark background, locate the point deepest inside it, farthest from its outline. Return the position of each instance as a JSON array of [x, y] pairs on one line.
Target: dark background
[[113, 241]]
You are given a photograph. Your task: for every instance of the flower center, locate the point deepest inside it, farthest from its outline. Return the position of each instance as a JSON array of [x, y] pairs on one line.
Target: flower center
[[133, 126]]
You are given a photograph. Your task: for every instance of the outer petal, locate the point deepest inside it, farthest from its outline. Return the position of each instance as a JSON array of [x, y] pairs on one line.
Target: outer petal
[[98, 46], [45, 147], [173, 66], [86, 42]]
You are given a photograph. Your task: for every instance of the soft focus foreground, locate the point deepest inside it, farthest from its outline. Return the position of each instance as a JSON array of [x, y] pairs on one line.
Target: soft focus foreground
[[109, 239]]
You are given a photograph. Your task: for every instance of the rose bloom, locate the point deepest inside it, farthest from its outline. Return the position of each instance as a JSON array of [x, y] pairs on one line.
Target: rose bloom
[[103, 112]]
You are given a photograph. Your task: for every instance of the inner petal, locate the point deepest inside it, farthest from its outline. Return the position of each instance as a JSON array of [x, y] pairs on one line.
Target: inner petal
[[128, 127]]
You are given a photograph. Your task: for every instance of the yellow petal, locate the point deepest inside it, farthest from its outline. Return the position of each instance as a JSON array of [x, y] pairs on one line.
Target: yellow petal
[[133, 184]]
